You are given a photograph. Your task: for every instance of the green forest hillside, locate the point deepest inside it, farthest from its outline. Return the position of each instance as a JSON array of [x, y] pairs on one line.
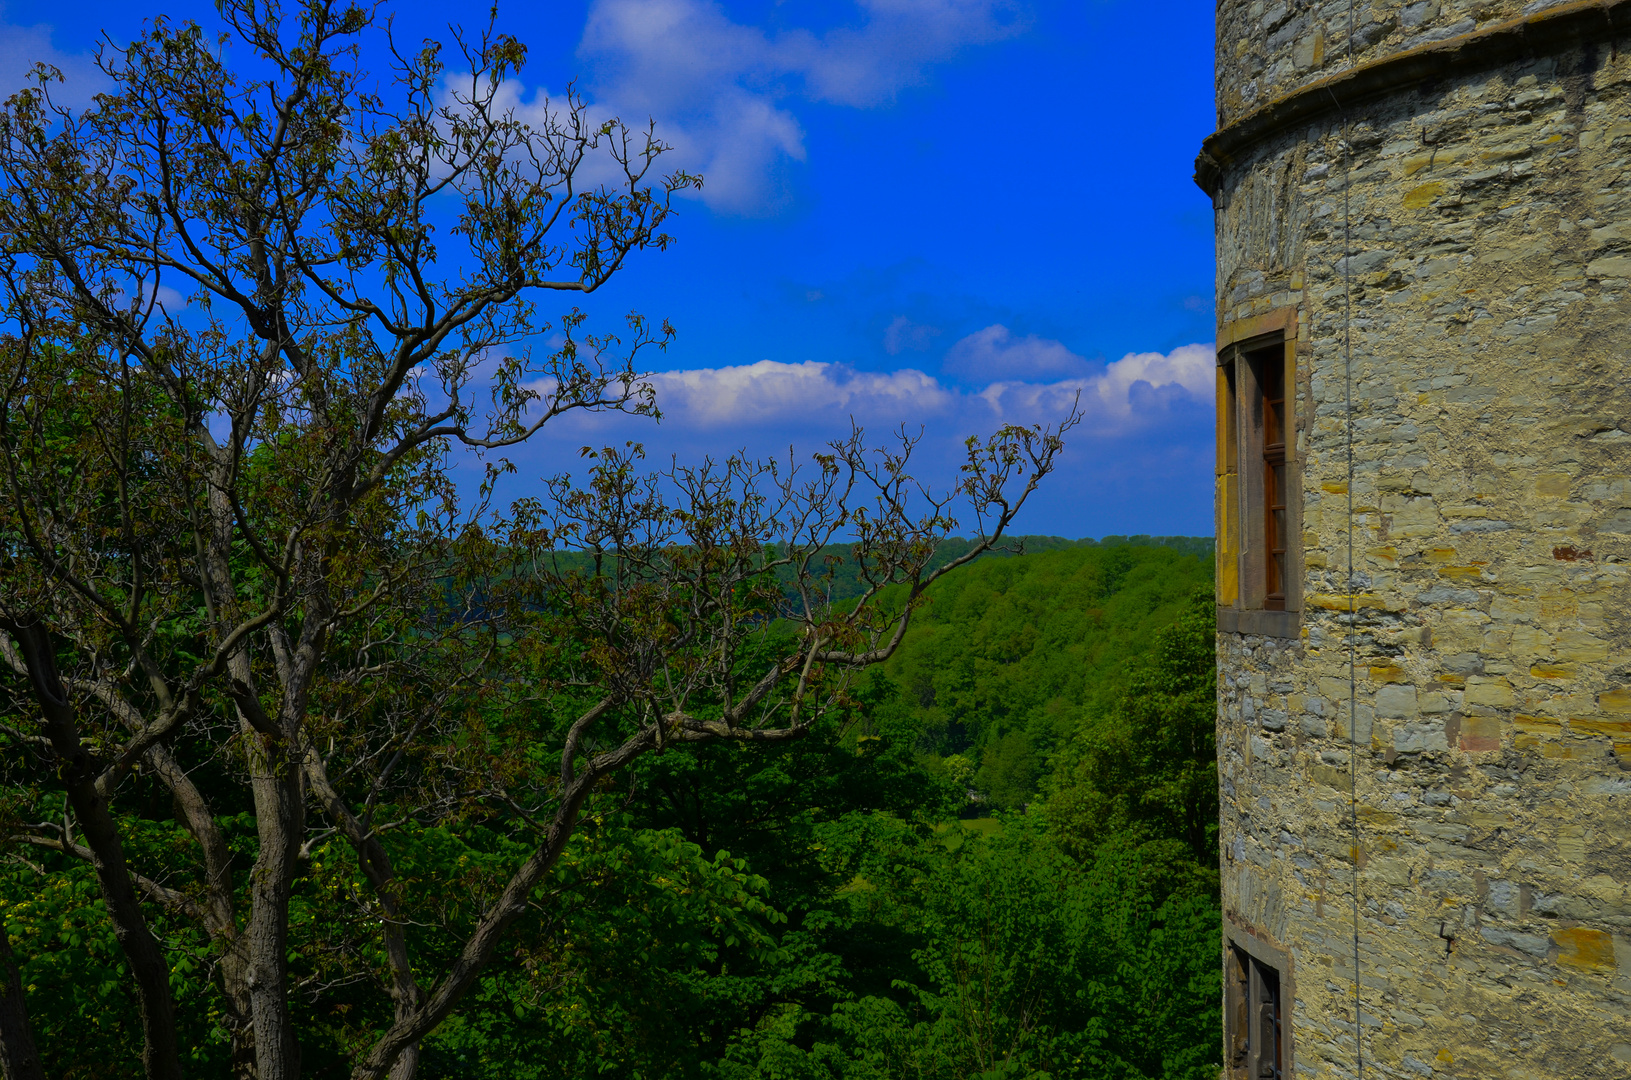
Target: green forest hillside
[[1000, 864], [844, 579], [989, 872], [1011, 655]]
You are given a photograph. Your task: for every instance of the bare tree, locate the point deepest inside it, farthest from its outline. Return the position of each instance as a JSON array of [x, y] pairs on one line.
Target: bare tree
[[250, 319]]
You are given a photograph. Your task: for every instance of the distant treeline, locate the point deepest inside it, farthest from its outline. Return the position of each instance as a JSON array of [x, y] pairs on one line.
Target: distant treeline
[[1011, 656], [1185, 545], [845, 580]]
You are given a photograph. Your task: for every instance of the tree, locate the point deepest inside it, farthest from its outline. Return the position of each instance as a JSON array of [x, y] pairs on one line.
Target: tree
[[1027, 965], [238, 582], [1145, 777]]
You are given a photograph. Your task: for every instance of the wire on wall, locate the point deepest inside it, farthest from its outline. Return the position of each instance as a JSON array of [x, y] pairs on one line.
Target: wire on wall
[[1353, 620]]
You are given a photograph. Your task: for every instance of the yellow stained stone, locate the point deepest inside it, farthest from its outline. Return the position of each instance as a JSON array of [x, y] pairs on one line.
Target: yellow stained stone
[[1344, 602], [1553, 485], [1418, 197], [1538, 725], [1615, 701], [1388, 673], [1585, 948], [1600, 726]]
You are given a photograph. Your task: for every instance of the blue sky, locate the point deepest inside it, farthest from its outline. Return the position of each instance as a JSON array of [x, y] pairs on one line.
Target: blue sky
[[947, 213]]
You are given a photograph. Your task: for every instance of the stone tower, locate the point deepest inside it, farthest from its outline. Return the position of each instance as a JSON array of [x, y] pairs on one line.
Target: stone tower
[[1424, 522]]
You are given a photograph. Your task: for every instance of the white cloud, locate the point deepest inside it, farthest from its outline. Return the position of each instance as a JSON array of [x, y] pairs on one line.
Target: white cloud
[[1135, 391], [995, 354], [720, 89], [870, 64], [1021, 373], [169, 300], [21, 47], [770, 392], [1131, 390], [722, 92], [1189, 367], [1141, 461]]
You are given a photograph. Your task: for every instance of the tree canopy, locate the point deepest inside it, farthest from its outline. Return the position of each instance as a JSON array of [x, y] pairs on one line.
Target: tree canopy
[[816, 908], [327, 736]]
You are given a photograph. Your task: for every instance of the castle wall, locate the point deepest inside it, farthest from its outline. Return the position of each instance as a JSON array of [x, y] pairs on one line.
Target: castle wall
[[1490, 221], [1268, 48]]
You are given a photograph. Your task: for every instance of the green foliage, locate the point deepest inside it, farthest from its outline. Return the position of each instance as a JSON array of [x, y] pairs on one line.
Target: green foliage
[[844, 581], [641, 955], [1029, 967], [1144, 775], [1079, 942], [72, 972], [1011, 655], [808, 910]]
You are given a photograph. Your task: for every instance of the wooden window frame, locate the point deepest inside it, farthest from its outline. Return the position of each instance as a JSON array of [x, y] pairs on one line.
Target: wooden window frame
[[1259, 995], [1259, 481]]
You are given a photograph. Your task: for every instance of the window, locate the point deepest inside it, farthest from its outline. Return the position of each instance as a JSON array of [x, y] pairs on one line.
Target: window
[[1269, 370], [1257, 1049], [1258, 494]]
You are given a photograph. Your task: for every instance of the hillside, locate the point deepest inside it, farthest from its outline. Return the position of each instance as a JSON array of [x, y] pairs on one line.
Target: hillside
[[1010, 655]]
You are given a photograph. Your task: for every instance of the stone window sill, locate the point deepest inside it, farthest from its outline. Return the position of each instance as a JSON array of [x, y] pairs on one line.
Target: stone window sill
[[1280, 624]]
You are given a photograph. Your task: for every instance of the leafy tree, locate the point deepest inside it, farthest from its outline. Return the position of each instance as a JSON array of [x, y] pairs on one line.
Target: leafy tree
[[1028, 965], [907, 954], [321, 730], [1144, 777], [1081, 943], [613, 983], [1007, 659]]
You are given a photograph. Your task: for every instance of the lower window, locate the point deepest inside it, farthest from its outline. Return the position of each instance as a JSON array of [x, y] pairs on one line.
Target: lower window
[[1256, 1027]]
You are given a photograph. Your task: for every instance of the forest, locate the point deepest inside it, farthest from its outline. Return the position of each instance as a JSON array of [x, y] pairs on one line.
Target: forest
[[339, 739], [1000, 861]]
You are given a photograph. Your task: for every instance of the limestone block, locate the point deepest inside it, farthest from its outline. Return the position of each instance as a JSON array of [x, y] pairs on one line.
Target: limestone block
[[1494, 693], [1414, 738], [1578, 645], [1479, 734], [1585, 948], [1396, 701]]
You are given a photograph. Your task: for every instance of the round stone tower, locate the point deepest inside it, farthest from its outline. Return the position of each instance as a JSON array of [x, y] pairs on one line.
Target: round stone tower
[[1424, 536]]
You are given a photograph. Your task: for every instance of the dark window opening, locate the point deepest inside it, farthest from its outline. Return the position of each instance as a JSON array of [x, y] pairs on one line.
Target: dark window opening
[[1256, 1026], [1269, 413]]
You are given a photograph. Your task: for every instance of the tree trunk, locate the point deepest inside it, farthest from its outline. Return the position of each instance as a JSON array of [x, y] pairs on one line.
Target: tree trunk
[[255, 960], [406, 1065], [19, 1060], [404, 1035], [240, 1012], [161, 1057], [280, 822], [217, 907], [375, 862]]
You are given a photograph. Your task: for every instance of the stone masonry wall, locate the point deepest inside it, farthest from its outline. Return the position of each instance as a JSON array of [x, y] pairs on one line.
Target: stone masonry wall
[[1491, 493], [1266, 48]]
